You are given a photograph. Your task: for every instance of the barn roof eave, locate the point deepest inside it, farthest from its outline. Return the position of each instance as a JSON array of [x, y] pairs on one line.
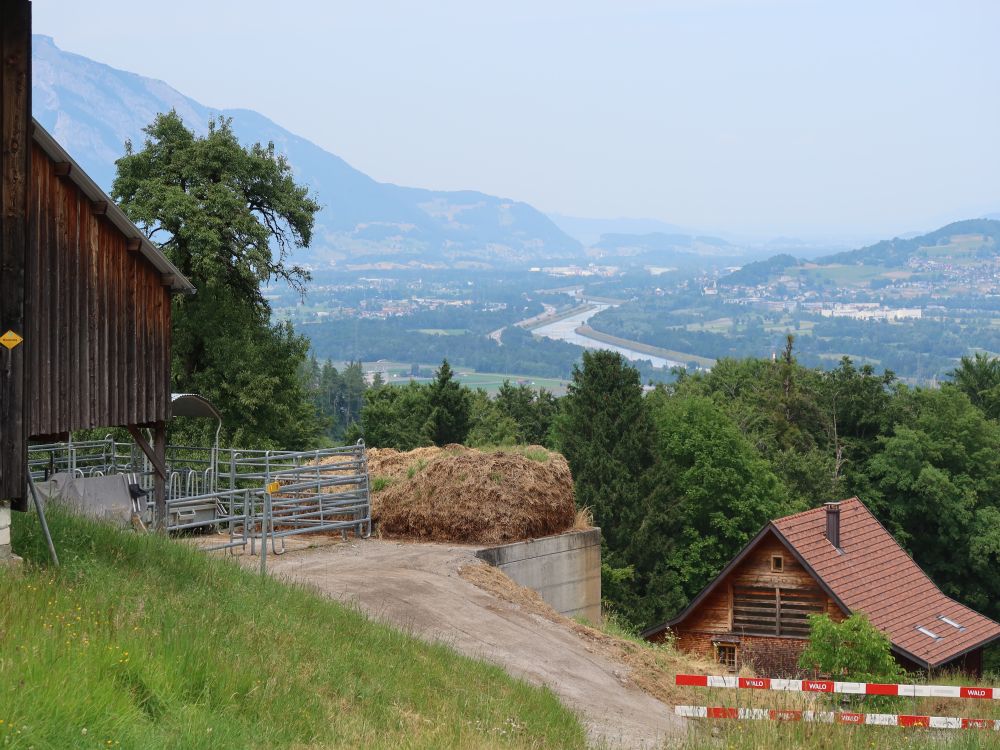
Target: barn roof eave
[[48, 144]]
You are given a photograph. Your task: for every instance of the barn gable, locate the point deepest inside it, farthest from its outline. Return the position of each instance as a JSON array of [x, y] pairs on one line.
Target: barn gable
[[756, 611], [765, 590]]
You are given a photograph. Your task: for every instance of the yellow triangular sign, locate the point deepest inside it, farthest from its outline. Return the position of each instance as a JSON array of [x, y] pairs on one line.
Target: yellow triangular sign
[[10, 339]]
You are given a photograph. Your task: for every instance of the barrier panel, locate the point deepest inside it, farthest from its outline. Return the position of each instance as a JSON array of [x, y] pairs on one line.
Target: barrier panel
[[834, 686], [837, 687], [836, 717]]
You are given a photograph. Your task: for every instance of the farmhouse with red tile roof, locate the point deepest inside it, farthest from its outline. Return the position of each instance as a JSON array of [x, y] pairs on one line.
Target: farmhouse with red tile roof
[[837, 560]]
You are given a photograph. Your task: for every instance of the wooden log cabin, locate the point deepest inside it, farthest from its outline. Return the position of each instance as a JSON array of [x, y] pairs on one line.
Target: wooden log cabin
[[836, 560], [85, 298]]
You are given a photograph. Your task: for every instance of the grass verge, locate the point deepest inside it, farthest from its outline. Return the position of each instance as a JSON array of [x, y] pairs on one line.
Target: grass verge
[[139, 642]]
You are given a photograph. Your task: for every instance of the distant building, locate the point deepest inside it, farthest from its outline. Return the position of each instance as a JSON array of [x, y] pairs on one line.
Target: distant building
[[870, 311], [837, 560]]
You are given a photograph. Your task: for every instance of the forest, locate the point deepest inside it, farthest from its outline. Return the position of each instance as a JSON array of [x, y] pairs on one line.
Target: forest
[[679, 477], [400, 340]]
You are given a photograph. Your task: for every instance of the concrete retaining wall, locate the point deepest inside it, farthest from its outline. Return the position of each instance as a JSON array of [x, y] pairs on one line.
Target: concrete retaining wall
[[564, 569]]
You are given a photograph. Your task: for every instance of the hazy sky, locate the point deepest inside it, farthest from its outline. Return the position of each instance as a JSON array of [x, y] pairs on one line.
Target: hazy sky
[[845, 117]]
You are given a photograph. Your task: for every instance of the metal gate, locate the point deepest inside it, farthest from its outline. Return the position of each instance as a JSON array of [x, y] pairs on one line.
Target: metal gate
[[254, 496]]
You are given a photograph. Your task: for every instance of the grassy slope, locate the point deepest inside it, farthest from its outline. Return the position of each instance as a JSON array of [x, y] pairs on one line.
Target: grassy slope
[[138, 642]]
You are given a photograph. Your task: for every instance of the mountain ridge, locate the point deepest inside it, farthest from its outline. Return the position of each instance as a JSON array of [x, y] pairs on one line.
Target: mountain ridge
[[899, 249], [891, 253], [93, 109], [589, 231]]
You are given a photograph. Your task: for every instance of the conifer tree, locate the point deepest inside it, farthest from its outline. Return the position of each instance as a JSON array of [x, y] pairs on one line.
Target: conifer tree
[[606, 434], [448, 421]]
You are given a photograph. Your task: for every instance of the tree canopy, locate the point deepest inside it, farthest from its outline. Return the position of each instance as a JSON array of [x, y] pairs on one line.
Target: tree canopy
[[978, 377], [933, 484], [709, 493], [605, 432], [228, 216]]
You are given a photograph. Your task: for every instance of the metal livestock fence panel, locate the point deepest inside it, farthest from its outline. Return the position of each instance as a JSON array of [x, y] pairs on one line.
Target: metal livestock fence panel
[[253, 495]]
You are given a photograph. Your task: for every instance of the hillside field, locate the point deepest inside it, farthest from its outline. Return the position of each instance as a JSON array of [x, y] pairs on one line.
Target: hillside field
[[398, 373], [142, 642]]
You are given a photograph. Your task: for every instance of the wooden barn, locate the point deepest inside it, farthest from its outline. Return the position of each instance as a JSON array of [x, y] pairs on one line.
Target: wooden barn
[[85, 298], [837, 560]]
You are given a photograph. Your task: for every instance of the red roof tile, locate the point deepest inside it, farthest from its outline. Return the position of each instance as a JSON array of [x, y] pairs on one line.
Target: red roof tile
[[871, 573]]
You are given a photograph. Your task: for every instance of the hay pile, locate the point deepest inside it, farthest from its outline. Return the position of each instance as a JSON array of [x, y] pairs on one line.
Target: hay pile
[[394, 465], [456, 494]]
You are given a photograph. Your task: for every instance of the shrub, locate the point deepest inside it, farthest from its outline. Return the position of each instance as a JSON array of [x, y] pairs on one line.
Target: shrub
[[853, 649]]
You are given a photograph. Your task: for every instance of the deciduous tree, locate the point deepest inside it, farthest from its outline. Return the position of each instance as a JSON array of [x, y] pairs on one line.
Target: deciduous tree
[[933, 485], [850, 650], [228, 216], [978, 377], [709, 494]]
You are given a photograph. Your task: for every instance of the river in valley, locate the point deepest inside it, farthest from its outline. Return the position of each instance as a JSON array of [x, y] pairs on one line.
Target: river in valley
[[565, 330]]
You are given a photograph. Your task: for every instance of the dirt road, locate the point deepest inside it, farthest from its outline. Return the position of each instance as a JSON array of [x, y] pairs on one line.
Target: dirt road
[[417, 587]]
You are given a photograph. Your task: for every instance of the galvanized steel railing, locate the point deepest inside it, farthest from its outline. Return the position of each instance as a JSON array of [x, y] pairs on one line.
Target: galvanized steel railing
[[84, 459], [252, 495]]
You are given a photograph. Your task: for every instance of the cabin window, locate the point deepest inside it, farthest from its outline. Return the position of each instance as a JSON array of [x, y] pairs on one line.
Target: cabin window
[[725, 654], [775, 611], [777, 564]]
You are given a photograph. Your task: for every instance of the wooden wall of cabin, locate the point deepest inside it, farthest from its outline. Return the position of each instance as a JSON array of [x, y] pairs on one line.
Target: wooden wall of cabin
[[714, 618], [715, 613], [970, 663], [99, 330]]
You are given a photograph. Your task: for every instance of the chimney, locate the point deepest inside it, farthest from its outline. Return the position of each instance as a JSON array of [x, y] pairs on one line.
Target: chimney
[[833, 523]]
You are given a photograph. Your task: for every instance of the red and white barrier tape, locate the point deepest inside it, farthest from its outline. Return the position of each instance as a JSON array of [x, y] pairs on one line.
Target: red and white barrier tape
[[836, 717], [834, 686]]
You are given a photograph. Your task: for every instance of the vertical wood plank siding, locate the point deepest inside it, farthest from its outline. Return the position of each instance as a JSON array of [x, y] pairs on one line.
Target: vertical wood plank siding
[[100, 328], [15, 231]]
